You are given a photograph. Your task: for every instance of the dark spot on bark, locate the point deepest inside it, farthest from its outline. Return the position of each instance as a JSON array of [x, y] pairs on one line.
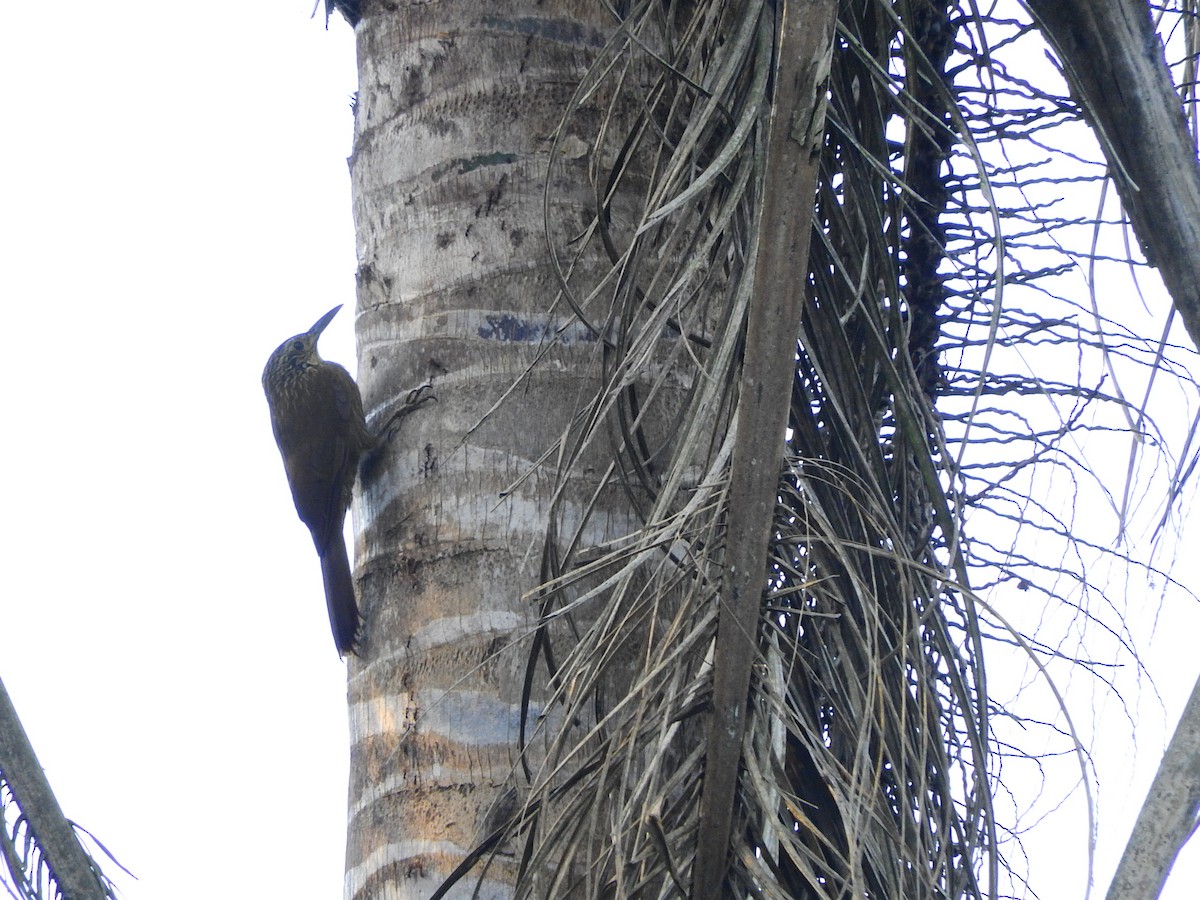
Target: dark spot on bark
[[415, 867], [558, 31], [470, 164], [414, 82], [444, 240], [442, 126], [494, 647], [493, 197], [505, 327]]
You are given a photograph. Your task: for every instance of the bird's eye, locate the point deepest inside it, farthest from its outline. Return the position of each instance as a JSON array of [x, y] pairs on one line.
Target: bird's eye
[[297, 346]]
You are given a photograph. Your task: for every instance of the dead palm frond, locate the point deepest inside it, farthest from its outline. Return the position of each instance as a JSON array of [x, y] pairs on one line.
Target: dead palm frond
[[853, 693], [867, 767], [42, 851]]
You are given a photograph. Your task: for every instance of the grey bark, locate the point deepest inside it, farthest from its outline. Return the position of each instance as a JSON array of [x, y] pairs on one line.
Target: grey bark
[[457, 110], [1169, 815], [54, 837]]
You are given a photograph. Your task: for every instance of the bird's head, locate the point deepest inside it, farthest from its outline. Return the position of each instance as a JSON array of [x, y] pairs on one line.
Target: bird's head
[[297, 353]]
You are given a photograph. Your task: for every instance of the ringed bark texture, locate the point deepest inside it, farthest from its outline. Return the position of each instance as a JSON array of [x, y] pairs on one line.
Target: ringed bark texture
[[457, 108]]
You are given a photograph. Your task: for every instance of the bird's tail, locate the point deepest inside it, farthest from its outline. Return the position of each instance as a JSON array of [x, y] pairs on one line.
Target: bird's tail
[[344, 617]]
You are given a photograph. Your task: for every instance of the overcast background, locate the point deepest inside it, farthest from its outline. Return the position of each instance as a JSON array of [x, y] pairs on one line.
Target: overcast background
[[174, 202]]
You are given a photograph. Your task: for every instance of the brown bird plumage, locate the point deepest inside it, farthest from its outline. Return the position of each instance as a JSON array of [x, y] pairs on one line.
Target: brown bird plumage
[[317, 417]]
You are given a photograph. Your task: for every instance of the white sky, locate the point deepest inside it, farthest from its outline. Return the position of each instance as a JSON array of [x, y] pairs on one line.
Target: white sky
[[174, 202]]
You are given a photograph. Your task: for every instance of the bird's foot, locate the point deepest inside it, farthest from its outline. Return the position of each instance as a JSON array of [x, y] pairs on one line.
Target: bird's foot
[[420, 395], [416, 398]]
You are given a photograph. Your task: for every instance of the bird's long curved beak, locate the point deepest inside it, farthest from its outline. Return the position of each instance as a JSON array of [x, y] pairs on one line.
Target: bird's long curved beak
[[320, 324]]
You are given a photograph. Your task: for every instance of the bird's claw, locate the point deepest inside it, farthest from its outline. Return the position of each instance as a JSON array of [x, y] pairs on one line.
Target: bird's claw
[[415, 399], [419, 396]]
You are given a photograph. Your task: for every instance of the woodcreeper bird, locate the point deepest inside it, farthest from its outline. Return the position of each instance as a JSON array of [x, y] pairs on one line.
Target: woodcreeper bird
[[317, 417]]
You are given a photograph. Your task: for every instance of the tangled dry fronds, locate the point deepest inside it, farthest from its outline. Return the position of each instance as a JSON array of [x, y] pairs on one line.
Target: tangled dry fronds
[[868, 767], [864, 765]]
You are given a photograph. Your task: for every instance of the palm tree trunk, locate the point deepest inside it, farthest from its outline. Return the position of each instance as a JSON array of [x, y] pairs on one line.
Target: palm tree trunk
[[455, 118]]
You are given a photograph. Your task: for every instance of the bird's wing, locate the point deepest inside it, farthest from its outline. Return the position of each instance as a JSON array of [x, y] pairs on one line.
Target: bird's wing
[[320, 466], [317, 482]]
